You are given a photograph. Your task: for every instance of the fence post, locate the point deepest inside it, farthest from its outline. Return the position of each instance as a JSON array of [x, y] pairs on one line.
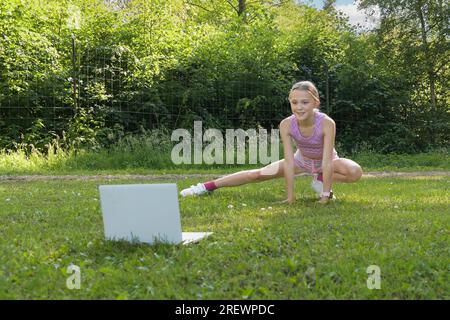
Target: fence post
[[327, 87], [74, 75]]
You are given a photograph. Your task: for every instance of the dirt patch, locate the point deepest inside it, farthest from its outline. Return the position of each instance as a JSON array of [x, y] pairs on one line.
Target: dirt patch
[[203, 176], [416, 174]]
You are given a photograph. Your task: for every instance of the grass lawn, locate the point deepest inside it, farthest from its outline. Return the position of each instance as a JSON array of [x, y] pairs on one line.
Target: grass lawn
[[303, 251]]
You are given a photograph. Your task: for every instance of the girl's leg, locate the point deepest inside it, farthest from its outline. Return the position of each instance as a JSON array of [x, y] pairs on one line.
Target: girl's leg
[[271, 171], [346, 170]]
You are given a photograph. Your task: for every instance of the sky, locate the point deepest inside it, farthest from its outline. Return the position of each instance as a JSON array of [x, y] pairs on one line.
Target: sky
[[348, 7]]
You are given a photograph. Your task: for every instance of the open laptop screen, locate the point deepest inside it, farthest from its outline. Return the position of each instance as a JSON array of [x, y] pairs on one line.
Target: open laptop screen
[[141, 212]]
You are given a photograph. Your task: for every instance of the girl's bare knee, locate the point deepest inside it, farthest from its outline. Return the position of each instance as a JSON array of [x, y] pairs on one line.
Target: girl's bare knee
[[262, 174], [355, 173], [254, 175]]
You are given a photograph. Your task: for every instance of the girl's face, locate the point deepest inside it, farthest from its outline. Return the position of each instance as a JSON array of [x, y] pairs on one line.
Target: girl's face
[[302, 104]]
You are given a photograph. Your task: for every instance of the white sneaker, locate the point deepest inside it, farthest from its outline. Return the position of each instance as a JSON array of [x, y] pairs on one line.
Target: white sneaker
[[197, 190], [317, 185]]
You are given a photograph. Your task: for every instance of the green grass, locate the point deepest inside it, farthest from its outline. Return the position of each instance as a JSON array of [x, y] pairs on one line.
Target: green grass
[[304, 251]]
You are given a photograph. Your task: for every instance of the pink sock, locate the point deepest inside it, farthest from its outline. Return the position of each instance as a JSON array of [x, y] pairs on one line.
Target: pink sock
[[320, 177], [210, 186]]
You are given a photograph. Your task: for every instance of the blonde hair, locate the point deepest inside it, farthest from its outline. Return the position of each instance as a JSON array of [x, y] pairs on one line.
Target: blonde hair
[[306, 86]]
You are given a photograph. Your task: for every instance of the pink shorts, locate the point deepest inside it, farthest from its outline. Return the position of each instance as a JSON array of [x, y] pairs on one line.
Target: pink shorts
[[310, 165]]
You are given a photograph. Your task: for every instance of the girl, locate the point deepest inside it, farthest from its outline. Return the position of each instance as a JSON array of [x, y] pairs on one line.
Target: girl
[[313, 132]]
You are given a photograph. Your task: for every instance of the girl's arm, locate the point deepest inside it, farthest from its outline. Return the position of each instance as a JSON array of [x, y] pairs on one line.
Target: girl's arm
[[289, 159], [329, 133]]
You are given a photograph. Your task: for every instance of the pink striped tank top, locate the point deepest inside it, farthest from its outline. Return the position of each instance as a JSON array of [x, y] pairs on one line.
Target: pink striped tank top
[[310, 147]]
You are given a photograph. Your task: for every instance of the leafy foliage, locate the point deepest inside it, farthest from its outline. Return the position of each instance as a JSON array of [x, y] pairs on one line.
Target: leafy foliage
[[149, 64]]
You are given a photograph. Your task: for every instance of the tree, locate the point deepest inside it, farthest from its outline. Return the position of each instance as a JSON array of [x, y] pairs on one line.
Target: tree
[[414, 36], [328, 5], [240, 8], [432, 17]]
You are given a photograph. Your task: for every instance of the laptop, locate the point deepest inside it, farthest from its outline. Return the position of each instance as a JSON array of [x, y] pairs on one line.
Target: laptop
[[146, 213]]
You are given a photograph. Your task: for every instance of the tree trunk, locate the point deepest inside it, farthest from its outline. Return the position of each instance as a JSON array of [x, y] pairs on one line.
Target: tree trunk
[[241, 8], [428, 60], [430, 68]]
